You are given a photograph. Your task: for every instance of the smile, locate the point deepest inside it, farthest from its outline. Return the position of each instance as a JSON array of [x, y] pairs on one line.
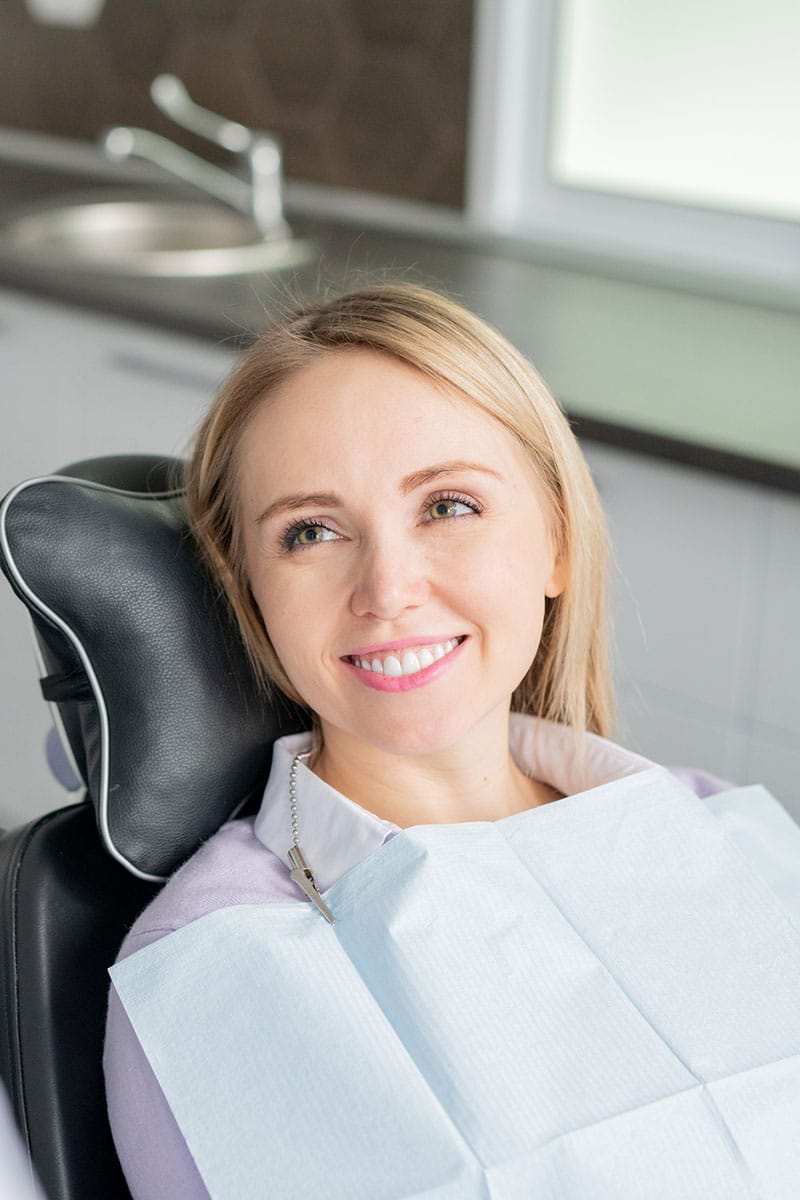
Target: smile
[[406, 662]]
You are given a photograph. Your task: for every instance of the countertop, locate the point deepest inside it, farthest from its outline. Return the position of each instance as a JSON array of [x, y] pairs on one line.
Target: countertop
[[707, 380]]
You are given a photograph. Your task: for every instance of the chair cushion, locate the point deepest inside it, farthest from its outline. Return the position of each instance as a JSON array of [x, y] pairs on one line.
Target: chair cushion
[[143, 660], [65, 909]]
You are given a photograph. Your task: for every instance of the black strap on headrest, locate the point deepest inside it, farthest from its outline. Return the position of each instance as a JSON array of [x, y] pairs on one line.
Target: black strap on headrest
[[65, 686]]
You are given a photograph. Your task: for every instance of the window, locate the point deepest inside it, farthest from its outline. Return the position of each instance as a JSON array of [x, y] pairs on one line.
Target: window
[[663, 133]]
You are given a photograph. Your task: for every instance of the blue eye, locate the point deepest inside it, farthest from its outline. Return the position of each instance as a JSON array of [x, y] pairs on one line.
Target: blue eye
[[306, 533]]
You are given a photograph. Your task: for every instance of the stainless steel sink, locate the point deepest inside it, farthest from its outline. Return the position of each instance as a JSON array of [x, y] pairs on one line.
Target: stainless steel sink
[[146, 237]]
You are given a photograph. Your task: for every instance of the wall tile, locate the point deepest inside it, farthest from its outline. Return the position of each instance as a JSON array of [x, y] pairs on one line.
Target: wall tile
[[305, 47], [133, 54], [365, 94], [383, 127], [392, 24], [237, 91]]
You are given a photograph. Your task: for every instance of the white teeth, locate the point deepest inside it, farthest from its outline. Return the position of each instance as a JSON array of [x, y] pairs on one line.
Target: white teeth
[[410, 663]]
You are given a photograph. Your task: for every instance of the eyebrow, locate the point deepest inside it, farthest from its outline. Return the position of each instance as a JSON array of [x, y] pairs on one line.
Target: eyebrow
[[330, 500], [310, 500], [428, 474]]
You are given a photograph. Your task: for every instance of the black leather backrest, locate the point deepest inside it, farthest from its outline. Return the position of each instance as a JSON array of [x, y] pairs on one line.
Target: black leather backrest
[[148, 674], [145, 664], [66, 906]]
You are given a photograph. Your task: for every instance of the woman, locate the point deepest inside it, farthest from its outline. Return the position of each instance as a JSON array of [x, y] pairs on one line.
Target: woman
[[414, 550]]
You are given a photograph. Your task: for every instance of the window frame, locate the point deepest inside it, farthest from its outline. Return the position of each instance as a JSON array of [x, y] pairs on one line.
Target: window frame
[[509, 190]]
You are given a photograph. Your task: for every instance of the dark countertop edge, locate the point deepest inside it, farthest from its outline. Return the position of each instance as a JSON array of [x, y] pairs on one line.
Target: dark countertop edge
[[690, 454]]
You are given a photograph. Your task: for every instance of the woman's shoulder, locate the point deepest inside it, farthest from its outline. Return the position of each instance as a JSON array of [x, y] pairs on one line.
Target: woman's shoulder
[[232, 867]]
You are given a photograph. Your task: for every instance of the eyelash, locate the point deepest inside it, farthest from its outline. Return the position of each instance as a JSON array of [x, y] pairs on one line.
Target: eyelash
[[455, 498], [289, 545], [287, 541]]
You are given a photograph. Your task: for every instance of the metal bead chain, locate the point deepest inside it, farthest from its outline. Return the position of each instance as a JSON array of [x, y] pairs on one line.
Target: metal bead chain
[[301, 872], [304, 754]]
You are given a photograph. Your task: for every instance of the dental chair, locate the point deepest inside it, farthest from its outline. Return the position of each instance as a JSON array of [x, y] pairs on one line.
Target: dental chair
[[161, 720]]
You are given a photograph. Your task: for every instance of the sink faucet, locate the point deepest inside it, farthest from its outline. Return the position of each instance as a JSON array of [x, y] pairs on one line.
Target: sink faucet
[[261, 198]]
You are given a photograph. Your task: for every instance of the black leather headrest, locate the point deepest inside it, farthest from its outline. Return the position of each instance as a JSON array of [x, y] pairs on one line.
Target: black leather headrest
[[143, 660]]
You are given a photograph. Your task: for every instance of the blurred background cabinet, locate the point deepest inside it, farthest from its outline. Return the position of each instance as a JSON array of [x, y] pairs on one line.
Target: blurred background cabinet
[[706, 612]]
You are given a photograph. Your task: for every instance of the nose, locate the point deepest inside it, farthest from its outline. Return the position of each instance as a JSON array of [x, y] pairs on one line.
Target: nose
[[391, 578]]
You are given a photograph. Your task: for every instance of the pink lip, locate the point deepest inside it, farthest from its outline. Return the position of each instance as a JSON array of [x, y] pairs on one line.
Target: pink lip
[[422, 639], [406, 683]]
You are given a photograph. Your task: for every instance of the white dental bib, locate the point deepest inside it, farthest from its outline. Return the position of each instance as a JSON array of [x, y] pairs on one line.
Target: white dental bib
[[596, 999]]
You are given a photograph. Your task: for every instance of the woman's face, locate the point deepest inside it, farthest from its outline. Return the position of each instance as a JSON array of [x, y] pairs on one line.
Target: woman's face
[[397, 546]]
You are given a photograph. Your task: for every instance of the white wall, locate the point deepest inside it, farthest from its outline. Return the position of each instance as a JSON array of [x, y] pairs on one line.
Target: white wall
[[707, 618]]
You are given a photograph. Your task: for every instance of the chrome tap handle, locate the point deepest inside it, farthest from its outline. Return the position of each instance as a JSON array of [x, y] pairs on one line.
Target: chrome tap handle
[[123, 142], [261, 150], [266, 181], [169, 94]]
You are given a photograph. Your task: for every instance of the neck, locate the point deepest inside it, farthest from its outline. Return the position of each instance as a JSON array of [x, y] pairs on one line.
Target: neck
[[474, 780]]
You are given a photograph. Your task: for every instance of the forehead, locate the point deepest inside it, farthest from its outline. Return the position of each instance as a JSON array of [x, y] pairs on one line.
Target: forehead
[[365, 401]]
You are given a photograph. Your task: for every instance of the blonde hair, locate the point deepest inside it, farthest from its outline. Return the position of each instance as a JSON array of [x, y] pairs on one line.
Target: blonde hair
[[569, 681]]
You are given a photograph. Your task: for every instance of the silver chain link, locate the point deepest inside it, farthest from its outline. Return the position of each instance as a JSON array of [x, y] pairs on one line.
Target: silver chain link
[[301, 757], [301, 871]]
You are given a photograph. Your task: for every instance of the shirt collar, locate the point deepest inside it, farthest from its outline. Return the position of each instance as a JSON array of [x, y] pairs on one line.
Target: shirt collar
[[335, 833]]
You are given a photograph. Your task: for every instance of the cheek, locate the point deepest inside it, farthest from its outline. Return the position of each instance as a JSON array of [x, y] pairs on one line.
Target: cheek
[[509, 568], [514, 578], [282, 611], [296, 621]]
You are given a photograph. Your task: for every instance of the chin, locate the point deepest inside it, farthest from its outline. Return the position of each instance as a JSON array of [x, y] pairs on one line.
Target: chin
[[412, 739]]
